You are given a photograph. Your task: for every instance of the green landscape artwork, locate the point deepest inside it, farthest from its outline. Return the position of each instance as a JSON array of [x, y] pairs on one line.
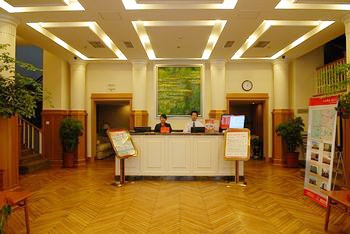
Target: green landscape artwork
[[179, 90]]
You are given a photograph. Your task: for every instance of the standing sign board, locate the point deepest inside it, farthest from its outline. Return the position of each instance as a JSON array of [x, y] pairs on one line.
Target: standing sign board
[[123, 147], [122, 143], [237, 144], [237, 147], [320, 148]]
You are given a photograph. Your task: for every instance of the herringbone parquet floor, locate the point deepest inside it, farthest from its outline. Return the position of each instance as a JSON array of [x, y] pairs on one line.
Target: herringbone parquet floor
[[84, 201]]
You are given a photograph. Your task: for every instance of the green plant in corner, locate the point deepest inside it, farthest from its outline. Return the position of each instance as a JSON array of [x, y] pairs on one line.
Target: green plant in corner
[[18, 94], [5, 211], [290, 131], [70, 130]]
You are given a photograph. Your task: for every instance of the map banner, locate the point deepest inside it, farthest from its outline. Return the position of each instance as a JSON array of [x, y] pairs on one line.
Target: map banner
[[320, 148]]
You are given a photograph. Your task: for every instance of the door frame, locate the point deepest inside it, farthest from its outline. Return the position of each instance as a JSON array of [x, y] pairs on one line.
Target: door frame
[[100, 98], [264, 98]]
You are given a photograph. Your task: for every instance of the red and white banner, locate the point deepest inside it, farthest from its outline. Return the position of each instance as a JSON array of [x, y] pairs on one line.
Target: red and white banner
[[320, 148]]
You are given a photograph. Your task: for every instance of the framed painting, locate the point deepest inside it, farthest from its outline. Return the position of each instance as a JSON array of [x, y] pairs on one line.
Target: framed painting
[[179, 90]]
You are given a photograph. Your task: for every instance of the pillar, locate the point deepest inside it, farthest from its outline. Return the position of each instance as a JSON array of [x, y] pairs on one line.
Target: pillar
[[281, 111], [218, 92], [139, 115], [77, 105], [56, 83], [346, 125], [9, 130]]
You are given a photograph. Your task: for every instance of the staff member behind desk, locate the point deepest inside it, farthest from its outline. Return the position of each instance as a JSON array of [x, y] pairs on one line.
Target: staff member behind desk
[[193, 123], [163, 127]]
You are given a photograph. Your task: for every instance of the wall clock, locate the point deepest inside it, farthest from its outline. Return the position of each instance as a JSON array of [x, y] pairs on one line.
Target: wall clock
[[247, 85]]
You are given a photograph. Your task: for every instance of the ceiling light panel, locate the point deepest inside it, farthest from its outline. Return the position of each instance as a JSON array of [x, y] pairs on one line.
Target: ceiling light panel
[[267, 44], [178, 4], [317, 26], [93, 26], [67, 5], [317, 4], [217, 27], [79, 38]]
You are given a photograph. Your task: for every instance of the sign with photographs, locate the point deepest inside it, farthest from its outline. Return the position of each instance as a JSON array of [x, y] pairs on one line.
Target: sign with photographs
[[122, 143], [237, 144], [320, 148]]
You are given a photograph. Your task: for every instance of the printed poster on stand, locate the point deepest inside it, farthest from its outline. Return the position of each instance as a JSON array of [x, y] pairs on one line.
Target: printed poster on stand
[[320, 148]]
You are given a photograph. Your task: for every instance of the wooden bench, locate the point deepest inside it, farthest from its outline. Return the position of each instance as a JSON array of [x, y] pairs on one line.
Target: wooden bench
[[337, 197], [17, 199]]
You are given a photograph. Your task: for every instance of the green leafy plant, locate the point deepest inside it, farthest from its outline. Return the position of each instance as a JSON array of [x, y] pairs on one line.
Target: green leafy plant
[[344, 105], [70, 130], [5, 211], [18, 94], [343, 71], [290, 131]]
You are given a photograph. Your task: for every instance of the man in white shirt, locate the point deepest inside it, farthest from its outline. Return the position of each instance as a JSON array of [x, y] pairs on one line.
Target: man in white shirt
[[193, 123]]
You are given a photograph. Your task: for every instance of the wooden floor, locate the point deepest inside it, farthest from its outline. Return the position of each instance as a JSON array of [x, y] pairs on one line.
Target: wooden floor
[[84, 201]]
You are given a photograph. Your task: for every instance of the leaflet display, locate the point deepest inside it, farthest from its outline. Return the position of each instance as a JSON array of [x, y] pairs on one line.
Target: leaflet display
[[122, 143], [237, 144], [320, 148]]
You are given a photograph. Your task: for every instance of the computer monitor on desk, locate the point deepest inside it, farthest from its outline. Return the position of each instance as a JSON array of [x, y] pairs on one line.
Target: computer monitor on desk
[[142, 129], [231, 121], [197, 129]]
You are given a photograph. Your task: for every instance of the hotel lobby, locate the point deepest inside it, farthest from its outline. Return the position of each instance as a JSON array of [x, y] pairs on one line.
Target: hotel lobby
[[108, 64]]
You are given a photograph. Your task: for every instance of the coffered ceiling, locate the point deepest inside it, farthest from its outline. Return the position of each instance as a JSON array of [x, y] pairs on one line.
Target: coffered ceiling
[[121, 30]]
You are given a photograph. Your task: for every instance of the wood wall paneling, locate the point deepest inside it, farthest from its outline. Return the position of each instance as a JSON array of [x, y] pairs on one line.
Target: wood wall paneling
[[139, 118], [9, 152], [52, 148], [278, 148], [80, 159], [216, 114]]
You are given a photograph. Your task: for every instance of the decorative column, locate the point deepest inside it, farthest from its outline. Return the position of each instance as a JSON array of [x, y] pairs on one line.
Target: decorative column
[[218, 93], [281, 111], [9, 129], [139, 115], [346, 122], [77, 105]]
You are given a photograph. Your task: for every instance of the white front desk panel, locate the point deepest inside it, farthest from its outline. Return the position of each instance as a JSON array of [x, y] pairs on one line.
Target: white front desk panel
[[179, 155]]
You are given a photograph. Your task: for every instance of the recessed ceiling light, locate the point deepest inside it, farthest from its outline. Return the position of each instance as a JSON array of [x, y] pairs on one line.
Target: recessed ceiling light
[[293, 4], [171, 4], [41, 27], [266, 24], [69, 5], [218, 26]]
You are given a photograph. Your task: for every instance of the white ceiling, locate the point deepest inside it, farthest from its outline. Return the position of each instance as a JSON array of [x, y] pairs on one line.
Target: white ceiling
[[182, 41]]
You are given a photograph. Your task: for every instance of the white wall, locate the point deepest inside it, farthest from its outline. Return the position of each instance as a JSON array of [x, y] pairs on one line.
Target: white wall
[[261, 75], [303, 81], [105, 78], [56, 83], [102, 77]]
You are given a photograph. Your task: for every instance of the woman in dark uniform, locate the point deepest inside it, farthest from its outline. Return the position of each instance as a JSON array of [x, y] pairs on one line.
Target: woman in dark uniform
[[163, 126]]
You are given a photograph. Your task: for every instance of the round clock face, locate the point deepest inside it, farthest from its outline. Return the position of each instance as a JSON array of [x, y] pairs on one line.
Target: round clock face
[[247, 85]]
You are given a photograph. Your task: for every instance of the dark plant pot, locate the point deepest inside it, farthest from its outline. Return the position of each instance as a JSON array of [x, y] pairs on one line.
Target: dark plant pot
[[68, 159], [292, 159]]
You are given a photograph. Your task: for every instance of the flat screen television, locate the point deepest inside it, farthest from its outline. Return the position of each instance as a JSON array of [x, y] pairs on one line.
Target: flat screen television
[[231, 121]]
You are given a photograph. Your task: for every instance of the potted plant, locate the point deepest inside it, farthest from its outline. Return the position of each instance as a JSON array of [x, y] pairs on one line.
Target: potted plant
[[5, 211], [344, 105], [70, 131], [290, 131]]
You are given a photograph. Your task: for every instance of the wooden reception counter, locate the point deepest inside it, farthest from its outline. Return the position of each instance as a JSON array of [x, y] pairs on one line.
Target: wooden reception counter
[[179, 154]]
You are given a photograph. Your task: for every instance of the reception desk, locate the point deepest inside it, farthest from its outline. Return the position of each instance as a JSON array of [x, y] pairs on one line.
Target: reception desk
[[179, 154]]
